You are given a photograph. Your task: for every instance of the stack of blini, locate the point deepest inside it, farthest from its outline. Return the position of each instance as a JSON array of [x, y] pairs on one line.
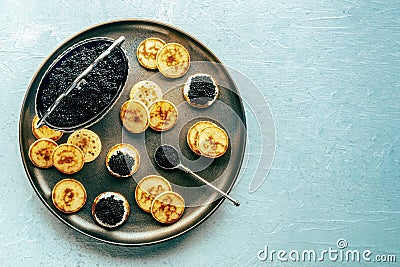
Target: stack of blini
[[172, 59], [146, 108], [154, 195], [207, 139], [82, 146]]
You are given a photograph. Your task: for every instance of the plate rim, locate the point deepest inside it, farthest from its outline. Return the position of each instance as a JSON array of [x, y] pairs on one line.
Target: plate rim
[[24, 160]]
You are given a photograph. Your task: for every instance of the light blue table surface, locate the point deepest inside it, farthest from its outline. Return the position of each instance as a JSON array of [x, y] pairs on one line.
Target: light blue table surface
[[330, 71]]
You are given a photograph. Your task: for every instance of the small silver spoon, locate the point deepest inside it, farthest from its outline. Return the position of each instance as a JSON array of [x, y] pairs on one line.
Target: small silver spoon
[[167, 157]]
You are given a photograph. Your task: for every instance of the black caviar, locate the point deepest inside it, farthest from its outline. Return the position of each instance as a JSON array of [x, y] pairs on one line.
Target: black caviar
[[110, 210], [121, 163], [201, 90], [101, 87], [167, 157]]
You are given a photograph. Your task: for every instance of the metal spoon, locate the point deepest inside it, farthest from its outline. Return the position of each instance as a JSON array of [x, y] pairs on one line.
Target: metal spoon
[[167, 157]]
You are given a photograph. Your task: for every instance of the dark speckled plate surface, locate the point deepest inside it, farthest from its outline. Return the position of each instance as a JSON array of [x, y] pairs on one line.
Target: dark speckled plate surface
[[201, 202]]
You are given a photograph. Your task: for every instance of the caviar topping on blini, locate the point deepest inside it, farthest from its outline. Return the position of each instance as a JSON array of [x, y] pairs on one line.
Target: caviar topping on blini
[[200, 90], [122, 160], [110, 209]]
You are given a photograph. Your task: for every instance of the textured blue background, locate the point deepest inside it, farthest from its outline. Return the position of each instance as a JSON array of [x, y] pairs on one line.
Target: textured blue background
[[330, 71]]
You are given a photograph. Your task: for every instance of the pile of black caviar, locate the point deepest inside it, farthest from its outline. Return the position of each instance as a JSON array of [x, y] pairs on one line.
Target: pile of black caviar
[[201, 90], [167, 157], [121, 163], [101, 88], [109, 210]]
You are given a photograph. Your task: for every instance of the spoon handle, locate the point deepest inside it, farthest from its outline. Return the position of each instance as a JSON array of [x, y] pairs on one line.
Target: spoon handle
[[187, 170]]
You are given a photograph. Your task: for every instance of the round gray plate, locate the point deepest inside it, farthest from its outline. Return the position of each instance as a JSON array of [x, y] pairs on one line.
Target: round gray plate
[[201, 202]]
